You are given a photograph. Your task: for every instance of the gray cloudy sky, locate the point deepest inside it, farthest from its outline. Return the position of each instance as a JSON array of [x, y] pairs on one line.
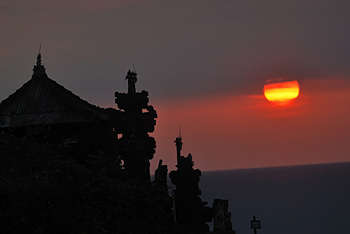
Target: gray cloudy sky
[[179, 47]]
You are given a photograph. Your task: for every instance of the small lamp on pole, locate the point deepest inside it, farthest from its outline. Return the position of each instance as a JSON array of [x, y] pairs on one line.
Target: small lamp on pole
[[255, 224]]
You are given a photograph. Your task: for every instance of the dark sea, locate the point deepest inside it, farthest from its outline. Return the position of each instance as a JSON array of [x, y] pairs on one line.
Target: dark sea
[[311, 199]]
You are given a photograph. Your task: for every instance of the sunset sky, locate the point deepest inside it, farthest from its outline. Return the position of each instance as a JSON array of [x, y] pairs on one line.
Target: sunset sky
[[204, 64]]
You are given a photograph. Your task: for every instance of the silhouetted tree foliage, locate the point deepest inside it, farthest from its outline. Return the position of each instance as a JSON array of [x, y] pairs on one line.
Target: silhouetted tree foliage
[[45, 189]]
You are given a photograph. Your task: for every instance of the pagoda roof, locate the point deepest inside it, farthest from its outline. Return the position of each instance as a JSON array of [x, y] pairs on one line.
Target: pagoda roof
[[42, 101]]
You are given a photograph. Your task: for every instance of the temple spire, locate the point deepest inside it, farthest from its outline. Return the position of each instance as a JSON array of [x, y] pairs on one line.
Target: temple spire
[[39, 69], [132, 79], [178, 143]]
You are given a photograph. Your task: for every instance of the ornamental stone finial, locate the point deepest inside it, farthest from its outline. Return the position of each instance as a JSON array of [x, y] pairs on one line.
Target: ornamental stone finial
[[132, 79], [38, 69]]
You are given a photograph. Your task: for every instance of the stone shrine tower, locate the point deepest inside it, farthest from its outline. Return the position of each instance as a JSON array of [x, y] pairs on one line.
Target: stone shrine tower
[[136, 120], [191, 213]]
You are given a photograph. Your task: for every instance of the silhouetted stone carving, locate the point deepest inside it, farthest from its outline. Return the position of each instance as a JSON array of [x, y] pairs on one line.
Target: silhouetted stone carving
[[132, 79], [178, 143], [222, 218], [191, 212], [137, 120]]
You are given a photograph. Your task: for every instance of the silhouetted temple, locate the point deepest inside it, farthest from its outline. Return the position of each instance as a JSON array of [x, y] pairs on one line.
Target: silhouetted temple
[[123, 133], [69, 119], [84, 127]]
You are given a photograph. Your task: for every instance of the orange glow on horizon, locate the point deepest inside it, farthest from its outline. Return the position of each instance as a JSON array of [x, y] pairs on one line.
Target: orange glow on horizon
[[245, 131], [281, 93]]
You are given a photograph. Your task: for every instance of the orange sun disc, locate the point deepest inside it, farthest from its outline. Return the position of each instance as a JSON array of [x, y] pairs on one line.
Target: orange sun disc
[[282, 93]]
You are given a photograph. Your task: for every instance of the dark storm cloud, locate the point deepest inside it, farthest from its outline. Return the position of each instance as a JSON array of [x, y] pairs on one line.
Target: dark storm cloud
[[179, 48]]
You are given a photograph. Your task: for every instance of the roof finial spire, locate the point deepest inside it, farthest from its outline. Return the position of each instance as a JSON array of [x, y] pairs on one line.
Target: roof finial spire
[[39, 69]]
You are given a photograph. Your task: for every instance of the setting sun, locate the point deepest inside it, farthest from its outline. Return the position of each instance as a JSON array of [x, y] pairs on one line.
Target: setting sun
[[282, 92]]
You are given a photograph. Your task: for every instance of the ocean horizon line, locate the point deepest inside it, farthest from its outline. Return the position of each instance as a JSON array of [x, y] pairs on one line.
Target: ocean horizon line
[[282, 166]]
